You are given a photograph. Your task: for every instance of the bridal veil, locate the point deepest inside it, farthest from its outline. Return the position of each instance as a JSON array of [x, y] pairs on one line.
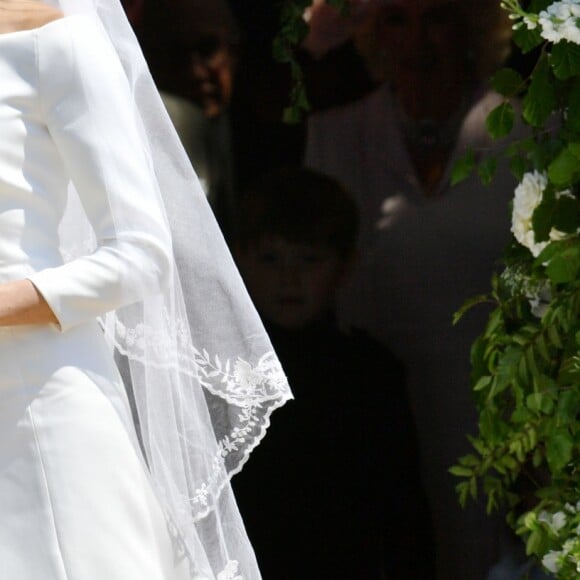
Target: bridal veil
[[202, 370]]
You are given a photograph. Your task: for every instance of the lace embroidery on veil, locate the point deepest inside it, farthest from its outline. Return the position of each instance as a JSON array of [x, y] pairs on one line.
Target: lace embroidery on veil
[[203, 373]]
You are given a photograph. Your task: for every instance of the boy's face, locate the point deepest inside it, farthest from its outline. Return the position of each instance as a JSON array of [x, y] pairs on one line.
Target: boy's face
[[292, 284]]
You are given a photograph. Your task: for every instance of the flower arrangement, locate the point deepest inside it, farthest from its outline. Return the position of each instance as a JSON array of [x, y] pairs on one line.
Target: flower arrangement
[[526, 364]]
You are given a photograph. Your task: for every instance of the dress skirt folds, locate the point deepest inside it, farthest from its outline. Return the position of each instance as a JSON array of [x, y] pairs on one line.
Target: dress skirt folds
[[75, 498]]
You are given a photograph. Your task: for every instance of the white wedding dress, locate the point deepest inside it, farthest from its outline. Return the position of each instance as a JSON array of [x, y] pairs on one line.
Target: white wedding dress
[[75, 497]]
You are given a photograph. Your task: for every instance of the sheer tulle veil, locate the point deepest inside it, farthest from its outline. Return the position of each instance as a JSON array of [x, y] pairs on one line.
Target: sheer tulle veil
[[204, 377]]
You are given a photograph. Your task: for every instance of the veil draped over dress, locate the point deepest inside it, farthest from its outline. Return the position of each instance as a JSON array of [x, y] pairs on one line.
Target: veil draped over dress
[[201, 367]]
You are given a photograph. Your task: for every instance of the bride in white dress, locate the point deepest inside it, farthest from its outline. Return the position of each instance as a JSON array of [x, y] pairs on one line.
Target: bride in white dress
[[78, 500]]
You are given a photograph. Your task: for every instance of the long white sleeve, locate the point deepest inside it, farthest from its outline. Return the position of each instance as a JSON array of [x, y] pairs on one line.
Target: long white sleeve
[[85, 102]]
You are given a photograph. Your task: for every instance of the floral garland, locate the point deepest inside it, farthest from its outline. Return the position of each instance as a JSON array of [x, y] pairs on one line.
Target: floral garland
[[526, 364]]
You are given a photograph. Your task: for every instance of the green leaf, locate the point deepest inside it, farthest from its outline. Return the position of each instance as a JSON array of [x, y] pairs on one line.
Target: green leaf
[[468, 305], [537, 6], [521, 415], [473, 488], [518, 166], [541, 402], [482, 383], [549, 252], [540, 99], [542, 218], [500, 120], [534, 542], [462, 490], [566, 167], [491, 426], [460, 471], [478, 445], [291, 116], [567, 214], [507, 367], [507, 82], [569, 405], [559, 450], [526, 39], [537, 458], [554, 336], [565, 60], [565, 266], [487, 169], [572, 110], [534, 402], [463, 167], [542, 348]]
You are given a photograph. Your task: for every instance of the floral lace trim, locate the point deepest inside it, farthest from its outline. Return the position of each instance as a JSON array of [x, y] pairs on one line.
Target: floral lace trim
[[230, 572], [241, 381], [237, 440]]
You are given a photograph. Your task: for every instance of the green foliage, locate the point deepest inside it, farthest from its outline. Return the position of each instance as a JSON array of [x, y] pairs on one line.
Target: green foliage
[[500, 121], [507, 82], [526, 363], [526, 40], [565, 168], [293, 30], [540, 99], [463, 167], [565, 60]]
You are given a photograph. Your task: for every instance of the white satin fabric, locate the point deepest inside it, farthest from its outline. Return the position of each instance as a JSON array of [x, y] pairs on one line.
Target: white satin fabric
[[75, 497]]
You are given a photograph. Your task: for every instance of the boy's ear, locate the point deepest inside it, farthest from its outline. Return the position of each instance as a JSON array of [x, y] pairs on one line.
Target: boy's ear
[[349, 262]]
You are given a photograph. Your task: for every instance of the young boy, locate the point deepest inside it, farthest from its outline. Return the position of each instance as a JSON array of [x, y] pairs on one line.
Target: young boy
[[352, 506]]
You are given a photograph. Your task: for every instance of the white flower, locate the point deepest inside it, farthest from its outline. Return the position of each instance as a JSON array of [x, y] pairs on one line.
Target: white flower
[[550, 561], [540, 300], [560, 21], [530, 24], [558, 521], [555, 522], [568, 547], [528, 196]]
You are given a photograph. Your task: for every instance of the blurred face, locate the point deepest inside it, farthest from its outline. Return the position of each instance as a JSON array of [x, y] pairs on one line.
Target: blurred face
[[292, 284], [206, 73], [425, 46], [211, 67], [188, 57]]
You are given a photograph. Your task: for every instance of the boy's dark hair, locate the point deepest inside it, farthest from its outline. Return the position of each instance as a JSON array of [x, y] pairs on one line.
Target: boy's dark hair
[[301, 206]]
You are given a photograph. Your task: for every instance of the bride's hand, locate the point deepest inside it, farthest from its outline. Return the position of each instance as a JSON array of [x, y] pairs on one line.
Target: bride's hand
[[21, 303]]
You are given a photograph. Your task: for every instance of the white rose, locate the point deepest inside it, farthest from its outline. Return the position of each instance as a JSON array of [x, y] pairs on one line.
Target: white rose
[[528, 195]]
